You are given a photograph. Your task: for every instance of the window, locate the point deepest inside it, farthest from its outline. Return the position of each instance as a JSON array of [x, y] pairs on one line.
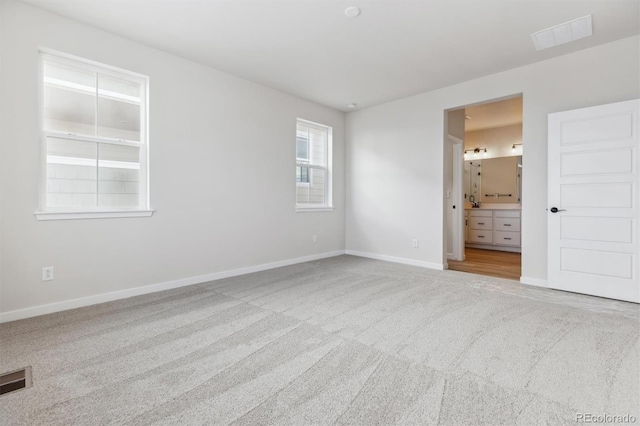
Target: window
[[302, 147], [302, 174], [313, 166], [95, 150]]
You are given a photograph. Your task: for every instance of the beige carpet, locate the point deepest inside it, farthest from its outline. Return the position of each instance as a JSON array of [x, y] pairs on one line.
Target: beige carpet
[[338, 341]]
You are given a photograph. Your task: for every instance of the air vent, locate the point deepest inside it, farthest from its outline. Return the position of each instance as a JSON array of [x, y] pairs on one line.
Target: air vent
[[15, 380], [563, 33]]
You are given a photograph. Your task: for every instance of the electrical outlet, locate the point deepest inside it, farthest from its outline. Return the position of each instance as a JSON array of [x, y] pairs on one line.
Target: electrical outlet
[[314, 238], [47, 273], [416, 243]]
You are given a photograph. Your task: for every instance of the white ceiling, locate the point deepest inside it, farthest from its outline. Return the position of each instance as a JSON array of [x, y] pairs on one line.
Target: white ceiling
[[395, 48], [493, 114]]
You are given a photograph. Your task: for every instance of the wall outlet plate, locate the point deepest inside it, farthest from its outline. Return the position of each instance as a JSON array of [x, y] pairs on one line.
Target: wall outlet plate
[[415, 243], [47, 273], [314, 238]]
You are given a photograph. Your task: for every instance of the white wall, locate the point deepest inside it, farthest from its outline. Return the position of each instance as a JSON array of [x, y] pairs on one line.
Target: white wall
[[395, 151], [2, 44], [455, 124], [222, 174], [498, 141]]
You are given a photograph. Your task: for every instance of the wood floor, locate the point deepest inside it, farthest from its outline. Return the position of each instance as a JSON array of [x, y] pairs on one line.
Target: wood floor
[[495, 263]]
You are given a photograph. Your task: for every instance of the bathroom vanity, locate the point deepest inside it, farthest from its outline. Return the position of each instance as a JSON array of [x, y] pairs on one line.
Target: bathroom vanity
[[494, 227]]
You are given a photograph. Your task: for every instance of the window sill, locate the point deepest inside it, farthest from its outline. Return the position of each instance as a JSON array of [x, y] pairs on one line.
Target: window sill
[[314, 209], [92, 214]]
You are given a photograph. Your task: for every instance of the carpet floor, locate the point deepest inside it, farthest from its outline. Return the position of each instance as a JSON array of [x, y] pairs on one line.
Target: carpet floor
[[343, 340]]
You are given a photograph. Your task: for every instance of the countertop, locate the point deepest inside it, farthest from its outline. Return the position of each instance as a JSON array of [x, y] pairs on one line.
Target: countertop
[[494, 206]]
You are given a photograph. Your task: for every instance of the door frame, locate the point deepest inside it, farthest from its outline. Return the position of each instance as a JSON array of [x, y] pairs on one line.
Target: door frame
[[459, 222], [457, 199]]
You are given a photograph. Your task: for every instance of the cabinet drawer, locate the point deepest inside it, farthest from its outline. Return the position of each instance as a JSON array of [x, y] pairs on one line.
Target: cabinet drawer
[[480, 223], [481, 213], [507, 213], [505, 238], [506, 224], [485, 237]]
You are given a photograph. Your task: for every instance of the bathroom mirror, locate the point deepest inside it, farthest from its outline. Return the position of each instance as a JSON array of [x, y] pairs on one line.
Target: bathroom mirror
[[494, 180]]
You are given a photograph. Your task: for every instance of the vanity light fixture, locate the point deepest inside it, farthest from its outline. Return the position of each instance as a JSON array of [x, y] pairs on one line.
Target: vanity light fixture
[[476, 151]]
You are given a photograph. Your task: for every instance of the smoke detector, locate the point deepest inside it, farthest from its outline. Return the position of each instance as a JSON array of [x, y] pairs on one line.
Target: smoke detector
[[351, 12]]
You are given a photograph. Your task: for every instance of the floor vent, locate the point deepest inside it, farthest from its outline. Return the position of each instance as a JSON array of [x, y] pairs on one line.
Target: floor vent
[[15, 380]]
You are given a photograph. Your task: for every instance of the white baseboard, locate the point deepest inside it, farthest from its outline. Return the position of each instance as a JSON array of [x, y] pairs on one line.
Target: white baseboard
[[402, 260], [137, 291], [534, 281]]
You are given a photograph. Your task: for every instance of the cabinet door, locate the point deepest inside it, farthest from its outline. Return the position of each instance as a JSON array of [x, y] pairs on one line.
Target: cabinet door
[[480, 213], [505, 238], [506, 224], [506, 213], [480, 236], [480, 223]]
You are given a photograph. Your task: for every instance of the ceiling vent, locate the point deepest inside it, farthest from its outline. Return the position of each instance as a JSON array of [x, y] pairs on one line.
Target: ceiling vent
[[563, 33]]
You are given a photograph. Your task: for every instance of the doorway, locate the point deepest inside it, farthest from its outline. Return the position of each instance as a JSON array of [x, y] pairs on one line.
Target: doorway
[[483, 188]]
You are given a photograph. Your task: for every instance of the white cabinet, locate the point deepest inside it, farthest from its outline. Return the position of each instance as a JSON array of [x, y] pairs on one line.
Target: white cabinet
[[506, 224], [480, 236], [506, 238], [466, 226], [484, 223], [506, 228], [493, 229]]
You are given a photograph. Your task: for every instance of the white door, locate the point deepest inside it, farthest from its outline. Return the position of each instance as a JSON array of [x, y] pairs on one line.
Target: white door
[[593, 237]]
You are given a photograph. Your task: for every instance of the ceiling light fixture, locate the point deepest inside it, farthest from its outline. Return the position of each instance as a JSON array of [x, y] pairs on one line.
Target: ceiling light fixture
[[351, 12], [563, 33], [352, 106]]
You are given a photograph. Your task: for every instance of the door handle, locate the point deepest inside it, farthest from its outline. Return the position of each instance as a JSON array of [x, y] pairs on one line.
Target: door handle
[[556, 210]]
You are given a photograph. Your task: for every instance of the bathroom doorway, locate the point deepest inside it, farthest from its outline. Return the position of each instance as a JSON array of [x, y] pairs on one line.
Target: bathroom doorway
[[483, 188]]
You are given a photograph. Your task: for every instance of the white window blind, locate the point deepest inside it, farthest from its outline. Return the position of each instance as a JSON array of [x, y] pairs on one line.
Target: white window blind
[[313, 171], [94, 137]]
